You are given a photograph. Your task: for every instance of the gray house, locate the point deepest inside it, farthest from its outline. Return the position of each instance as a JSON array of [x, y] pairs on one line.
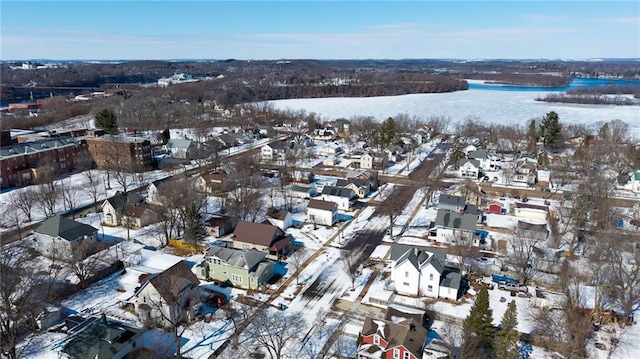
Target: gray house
[[451, 203], [61, 236], [247, 269], [181, 148], [454, 228]]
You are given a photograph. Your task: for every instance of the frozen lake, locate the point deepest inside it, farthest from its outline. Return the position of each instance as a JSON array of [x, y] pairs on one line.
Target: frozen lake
[[491, 106]]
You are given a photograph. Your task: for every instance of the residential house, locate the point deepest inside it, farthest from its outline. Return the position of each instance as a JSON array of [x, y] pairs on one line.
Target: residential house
[[342, 196], [342, 126], [113, 208], [152, 193], [210, 182], [138, 216], [303, 191], [263, 237], [486, 161], [227, 140], [219, 225], [530, 210], [451, 203], [366, 161], [469, 149], [369, 175], [389, 340], [322, 212], [454, 228], [469, 168], [182, 148], [418, 272], [276, 151], [525, 172], [169, 297], [544, 175], [470, 190], [324, 134], [331, 149], [60, 236], [282, 219], [248, 269], [100, 339], [265, 131], [361, 187]]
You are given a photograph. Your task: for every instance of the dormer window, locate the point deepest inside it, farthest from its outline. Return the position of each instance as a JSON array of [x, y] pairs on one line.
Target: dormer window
[[376, 339]]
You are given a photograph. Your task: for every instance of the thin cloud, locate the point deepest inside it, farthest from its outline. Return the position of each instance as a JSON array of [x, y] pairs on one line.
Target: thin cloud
[[627, 20], [544, 18]]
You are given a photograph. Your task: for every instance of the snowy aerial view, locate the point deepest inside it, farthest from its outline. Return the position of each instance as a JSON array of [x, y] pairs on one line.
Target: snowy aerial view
[[319, 180]]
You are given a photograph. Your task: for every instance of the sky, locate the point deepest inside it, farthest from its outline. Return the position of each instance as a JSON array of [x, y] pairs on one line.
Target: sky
[[267, 30]]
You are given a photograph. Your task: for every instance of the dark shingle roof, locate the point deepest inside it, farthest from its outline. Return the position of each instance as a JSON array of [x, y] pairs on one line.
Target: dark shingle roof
[[257, 233], [450, 219], [66, 228], [172, 281], [447, 199], [120, 200], [337, 191], [323, 205]]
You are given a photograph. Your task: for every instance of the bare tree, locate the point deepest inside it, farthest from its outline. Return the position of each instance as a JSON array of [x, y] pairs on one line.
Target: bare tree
[[87, 258], [47, 197], [276, 332], [523, 256], [23, 199], [11, 218], [19, 298], [92, 187], [349, 264], [69, 197], [297, 262]]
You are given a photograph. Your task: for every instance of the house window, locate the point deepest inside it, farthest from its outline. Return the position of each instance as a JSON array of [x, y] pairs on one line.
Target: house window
[[406, 274], [430, 288], [236, 278], [376, 339], [407, 355], [430, 276], [396, 353]]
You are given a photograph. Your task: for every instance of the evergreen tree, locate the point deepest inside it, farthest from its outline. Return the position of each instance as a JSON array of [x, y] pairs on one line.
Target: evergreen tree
[[107, 120], [194, 230], [479, 321], [532, 136], [551, 129], [506, 342]]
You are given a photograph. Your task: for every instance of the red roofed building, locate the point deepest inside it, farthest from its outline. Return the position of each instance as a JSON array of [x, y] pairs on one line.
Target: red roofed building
[[388, 340]]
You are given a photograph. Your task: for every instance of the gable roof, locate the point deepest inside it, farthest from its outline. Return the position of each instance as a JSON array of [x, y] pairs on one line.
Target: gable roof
[[337, 191], [257, 233], [450, 219], [408, 333], [450, 278], [280, 145], [236, 257], [303, 189], [464, 161], [457, 201], [481, 154], [170, 283], [100, 340], [532, 206], [120, 200], [322, 205], [65, 228], [180, 143], [279, 214]]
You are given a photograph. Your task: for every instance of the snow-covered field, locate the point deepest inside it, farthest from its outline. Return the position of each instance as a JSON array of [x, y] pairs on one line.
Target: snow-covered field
[[500, 107]]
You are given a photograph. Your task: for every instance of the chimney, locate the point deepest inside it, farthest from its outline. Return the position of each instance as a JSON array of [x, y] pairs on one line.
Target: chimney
[[103, 318]]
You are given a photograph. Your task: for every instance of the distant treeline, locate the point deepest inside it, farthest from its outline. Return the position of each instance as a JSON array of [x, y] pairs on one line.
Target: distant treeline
[[539, 80], [588, 99], [608, 90]]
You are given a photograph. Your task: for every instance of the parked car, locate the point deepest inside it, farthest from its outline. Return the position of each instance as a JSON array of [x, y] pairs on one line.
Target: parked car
[[511, 287]]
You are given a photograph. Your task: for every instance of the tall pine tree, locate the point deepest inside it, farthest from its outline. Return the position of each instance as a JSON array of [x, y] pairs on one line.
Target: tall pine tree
[[506, 342], [478, 323], [107, 120], [551, 129]]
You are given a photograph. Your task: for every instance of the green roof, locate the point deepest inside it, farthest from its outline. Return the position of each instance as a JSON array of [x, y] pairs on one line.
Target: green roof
[[66, 228], [101, 340]]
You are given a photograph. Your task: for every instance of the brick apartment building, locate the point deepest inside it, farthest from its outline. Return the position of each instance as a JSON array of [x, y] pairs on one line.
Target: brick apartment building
[[23, 163], [127, 153]]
